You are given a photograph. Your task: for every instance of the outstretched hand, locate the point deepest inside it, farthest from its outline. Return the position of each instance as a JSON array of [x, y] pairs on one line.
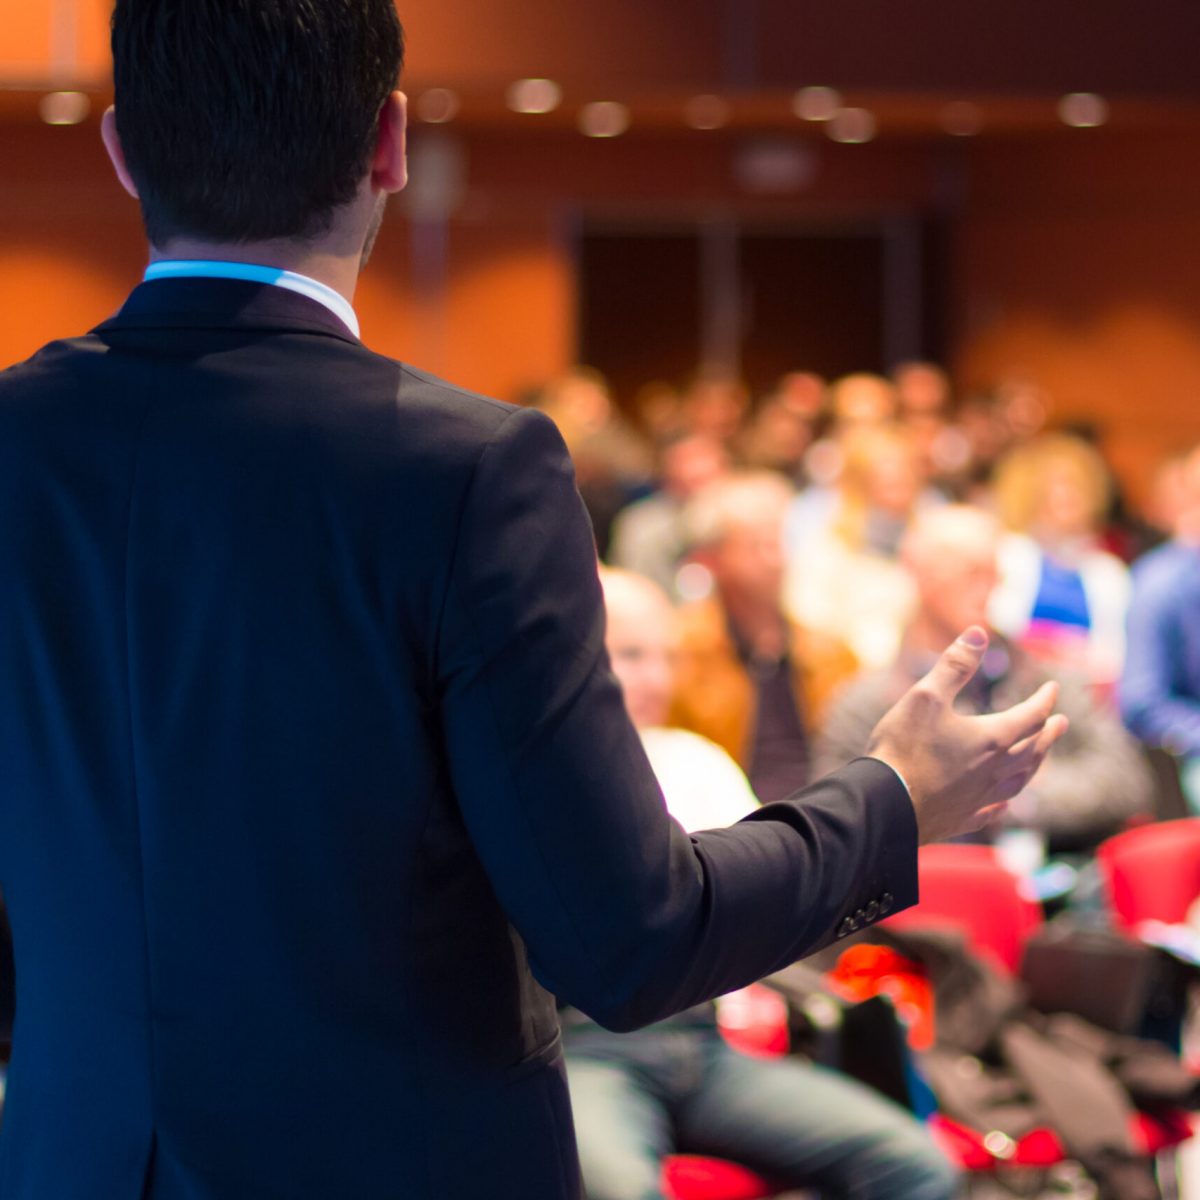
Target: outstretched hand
[[961, 769]]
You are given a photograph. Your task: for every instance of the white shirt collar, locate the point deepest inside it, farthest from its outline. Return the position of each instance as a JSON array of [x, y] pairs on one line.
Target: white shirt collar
[[314, 289]]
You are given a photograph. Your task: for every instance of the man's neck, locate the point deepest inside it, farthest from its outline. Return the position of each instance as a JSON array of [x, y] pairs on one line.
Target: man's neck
[[336, 270]]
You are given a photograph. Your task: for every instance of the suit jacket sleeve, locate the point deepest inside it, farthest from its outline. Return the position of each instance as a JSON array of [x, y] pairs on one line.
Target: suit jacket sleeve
[[623, 914]]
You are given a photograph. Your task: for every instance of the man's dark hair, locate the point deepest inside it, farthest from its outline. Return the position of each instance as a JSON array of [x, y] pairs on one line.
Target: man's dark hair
[[249, 120]]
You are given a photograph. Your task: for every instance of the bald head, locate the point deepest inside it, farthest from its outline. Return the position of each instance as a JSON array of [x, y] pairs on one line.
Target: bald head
[[739, 522], [640, 643], [951, 554]]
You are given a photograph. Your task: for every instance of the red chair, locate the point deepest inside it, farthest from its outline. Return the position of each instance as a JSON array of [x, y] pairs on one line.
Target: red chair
[[1152, 872], [688, 1177], [965, 887]]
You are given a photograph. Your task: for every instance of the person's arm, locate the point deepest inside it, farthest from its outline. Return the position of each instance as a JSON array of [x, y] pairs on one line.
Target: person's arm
[[625, 916], [1153, 704]]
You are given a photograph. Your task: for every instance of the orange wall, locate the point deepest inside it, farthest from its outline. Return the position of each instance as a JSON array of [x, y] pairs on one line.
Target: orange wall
[[71, 248], [42, 38], [70, 243], [1073, 256], [1076, 266]]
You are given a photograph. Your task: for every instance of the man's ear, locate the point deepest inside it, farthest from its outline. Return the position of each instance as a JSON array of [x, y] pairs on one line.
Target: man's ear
[[116, 153], [389, 167]]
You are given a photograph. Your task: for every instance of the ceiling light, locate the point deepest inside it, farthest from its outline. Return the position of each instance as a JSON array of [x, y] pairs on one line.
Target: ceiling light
[[534, 96], [817, 103], [604, 119], [1083, 110], [706, 112], [852, 126], [438, 105], [962, 119], [64, 108]]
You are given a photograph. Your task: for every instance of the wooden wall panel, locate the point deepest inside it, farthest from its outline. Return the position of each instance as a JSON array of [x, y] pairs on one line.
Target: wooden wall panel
[[1073, 258]]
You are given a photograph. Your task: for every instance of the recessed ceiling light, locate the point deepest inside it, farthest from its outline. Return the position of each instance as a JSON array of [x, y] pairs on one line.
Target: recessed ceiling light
[[64, 108], [438, 105], [534, 96], [817, 103], [1083, 110], [853, 126], [604, 119], [962, 119], [707, 112]]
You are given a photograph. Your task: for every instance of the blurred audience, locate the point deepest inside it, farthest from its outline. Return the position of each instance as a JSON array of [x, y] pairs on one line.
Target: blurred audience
[[783, 427], [1160, 687], [613, 461], [1094, 781], [658, 411], [715, 404], [650, 536], [844, 580], [925, 405], [771, 624], [750, 679], [1061, 595], [676, 1086], [863, 399], [1168, 504]]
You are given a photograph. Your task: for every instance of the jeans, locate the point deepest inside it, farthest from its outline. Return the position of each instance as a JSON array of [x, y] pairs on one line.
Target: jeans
[[639, 1097]]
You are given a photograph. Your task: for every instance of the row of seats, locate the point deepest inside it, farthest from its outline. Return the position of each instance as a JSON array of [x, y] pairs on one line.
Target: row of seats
[[1151, 873]]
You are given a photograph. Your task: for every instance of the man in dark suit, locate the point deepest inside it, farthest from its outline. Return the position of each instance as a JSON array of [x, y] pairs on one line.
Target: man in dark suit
[[316, 781]]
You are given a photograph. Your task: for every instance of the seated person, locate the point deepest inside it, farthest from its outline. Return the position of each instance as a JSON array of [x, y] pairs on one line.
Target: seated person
[[1061, 594], [845, 579], [648, 536], [1160, 689], [1096, 778], [676, 1087], [748, 678]]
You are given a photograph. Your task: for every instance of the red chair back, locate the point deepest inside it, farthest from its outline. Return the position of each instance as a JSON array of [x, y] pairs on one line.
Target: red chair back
[[965, 886], [1153, 871], [689, 1177]]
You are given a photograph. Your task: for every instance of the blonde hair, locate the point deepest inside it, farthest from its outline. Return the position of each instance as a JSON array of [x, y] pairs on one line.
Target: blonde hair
[[1020, 478], [862, 449]]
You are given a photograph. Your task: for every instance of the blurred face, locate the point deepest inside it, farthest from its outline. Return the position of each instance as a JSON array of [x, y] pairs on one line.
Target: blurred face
[[716, 409], [955, 579], [893, 482], [923, 389], [864, 400], [783, 433], [748, 562], [640, 642], [691, 465], [1066, 507], [581, 403]]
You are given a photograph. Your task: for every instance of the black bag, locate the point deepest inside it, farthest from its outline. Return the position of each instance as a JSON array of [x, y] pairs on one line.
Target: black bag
[[1097, 974]]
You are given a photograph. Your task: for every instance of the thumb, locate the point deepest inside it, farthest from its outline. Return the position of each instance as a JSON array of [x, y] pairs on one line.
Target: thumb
[[958, 663]]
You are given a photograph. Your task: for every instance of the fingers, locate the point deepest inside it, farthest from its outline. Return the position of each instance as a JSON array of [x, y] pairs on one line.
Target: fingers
[[1024, 759], [1023, 720], [959, 661], [985, 816]]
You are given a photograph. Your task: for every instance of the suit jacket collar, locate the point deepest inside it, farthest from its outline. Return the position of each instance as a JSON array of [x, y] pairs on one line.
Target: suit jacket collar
[[202, 303]]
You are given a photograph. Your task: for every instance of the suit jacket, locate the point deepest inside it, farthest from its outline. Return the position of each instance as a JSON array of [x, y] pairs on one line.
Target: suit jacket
[[308, 732]]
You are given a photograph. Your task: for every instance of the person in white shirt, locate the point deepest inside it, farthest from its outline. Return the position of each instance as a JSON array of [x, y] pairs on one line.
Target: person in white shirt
[[676, 1086]]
